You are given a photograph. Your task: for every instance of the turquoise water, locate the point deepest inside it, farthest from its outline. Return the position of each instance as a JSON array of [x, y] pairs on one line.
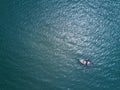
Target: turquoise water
[[42, 40]]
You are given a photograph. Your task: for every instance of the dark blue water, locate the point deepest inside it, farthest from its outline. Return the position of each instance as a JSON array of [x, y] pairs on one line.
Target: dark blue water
[[42, 40]]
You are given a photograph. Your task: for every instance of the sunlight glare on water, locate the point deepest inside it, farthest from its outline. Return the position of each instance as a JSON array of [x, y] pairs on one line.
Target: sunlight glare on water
[[42, 42]]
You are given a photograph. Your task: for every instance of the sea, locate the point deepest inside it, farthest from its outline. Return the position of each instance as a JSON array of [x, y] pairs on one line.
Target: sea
[[41, 42]]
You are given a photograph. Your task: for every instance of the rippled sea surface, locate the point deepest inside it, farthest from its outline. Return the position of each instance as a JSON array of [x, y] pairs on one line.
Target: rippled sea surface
[[41, 42]]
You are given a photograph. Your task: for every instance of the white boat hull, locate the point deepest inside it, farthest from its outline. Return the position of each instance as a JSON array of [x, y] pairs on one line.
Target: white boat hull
[[84, 61]]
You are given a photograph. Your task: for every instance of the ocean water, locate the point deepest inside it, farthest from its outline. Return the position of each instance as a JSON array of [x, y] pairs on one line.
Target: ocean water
[[41, 42]]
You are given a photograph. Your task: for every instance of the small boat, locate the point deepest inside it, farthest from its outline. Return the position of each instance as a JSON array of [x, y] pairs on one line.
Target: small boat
[[84, 61]]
